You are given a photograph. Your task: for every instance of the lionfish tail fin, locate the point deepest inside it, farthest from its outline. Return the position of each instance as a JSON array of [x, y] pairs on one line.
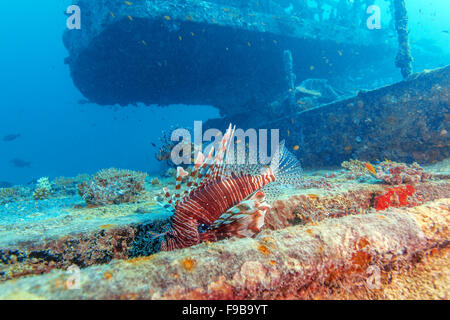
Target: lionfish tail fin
[[285, 166]]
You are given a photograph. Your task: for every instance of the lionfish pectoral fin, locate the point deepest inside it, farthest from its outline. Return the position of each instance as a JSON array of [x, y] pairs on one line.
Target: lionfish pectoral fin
[[243, 220]]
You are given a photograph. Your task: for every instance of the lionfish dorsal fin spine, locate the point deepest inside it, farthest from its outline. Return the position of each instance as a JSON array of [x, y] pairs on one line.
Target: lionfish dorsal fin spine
[[218, 166], [200, 167]]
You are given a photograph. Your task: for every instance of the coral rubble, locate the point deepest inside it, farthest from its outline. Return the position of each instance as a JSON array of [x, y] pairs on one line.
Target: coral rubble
[[397, 173], [112, 186]]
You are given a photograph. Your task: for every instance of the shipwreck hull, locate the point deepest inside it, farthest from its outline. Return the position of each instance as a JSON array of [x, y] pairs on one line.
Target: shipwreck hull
[[229, 55], [407, 121]]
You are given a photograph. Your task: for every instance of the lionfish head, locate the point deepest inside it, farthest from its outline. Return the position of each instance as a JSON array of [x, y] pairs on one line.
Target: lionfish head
[[168, 243]]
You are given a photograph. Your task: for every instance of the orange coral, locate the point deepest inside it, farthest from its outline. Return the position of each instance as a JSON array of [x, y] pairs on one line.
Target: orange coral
[[188, 264], [264, 249]]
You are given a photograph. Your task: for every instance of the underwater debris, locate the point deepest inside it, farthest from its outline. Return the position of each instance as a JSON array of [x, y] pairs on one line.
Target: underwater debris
[[43, 189], [413, 111], [223, 200], [112, 186], [397, 173], [403, 59]]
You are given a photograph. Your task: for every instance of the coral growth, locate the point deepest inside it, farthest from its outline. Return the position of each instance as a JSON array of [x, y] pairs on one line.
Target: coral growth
[[64, 186], [358, 168], [311, 208], [396, 197], [15, 193], [43, 189], [112, 186], [397, 173]]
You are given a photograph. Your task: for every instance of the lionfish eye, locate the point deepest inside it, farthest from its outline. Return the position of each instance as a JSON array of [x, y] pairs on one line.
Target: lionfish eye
[[202, 228], [170, 235]]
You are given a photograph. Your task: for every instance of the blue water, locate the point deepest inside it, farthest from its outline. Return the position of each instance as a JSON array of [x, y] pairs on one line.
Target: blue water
[[38, 100], [60, 137]]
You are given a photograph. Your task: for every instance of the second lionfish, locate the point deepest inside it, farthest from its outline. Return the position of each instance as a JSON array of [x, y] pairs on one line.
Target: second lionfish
[[221, 200]]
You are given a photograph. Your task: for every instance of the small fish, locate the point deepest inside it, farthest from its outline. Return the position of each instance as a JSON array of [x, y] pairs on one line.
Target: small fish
[[312, 196], [370, 168], [128, 3], [112, 14], [130, 17], [168, 18], [144, 42], [445, 31], [19, 163], [296, 147], [11, 137], [311, 68], [339, 52], [83, 101]]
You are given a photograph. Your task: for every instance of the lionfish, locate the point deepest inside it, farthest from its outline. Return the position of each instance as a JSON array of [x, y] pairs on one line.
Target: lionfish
[[223, 200]]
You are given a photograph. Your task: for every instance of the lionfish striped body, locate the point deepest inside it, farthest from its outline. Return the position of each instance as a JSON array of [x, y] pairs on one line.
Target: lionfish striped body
[[224, 201]]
